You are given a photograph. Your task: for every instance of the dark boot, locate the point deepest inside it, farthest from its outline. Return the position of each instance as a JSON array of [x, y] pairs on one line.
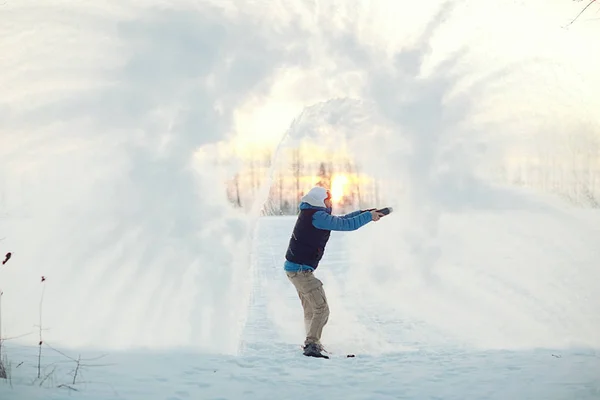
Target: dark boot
[[314, 350]]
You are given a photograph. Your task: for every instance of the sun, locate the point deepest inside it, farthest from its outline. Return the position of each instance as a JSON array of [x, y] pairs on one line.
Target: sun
[[338, 185]]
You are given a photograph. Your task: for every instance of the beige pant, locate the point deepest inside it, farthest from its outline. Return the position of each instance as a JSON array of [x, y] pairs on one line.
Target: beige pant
[[314, 302]]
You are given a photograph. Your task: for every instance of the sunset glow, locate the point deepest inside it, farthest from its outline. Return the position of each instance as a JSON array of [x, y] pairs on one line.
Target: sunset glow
[[338, 185]]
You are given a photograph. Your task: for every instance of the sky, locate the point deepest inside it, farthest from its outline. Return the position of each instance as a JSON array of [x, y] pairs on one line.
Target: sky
[[111, 114], [526, 38], [282, 75]]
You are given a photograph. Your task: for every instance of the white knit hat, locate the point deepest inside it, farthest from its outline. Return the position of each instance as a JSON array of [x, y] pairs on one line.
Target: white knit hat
[[316, 196]]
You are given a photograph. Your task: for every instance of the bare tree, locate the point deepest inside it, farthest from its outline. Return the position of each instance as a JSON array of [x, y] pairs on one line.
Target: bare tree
[[236, 183], [324, 175], [582, 11], [357, 185], [280, 191], [3, 374], [253, 175], [297, 169]]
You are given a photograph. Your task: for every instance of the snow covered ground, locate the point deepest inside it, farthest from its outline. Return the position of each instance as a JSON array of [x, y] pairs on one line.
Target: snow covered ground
[[284, 374], [508, 310]]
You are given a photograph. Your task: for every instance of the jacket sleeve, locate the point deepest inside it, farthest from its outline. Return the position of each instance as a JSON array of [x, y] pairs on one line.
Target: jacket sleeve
[[323, 220], [357, 212], [351, 215]]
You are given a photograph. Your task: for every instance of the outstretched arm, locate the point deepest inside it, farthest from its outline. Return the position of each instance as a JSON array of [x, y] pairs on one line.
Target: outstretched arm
[[351, 215], [323, 220], [355, 213]]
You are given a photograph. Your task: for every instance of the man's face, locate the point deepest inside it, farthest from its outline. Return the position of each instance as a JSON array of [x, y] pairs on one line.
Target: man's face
[[328, 202]]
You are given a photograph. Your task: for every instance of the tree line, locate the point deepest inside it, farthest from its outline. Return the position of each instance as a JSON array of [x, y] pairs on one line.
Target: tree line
[[571, 171], [295, 173]]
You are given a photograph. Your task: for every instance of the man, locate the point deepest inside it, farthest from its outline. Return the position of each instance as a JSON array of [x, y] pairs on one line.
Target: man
[[306, 247]]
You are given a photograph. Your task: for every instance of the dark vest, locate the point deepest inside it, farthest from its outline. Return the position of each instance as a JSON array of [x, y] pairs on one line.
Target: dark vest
[[307, 243]]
